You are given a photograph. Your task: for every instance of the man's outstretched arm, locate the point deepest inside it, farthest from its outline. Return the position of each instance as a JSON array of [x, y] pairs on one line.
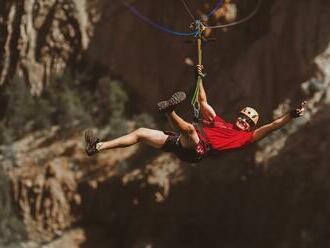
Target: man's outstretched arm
[[206, 109], [278, 123]]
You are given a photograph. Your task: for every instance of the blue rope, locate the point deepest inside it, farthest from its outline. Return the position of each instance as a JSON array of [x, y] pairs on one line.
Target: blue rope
[[154, 24], [220, 2]]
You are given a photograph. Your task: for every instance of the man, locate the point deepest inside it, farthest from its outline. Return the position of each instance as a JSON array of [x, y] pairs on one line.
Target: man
[[192, 143]]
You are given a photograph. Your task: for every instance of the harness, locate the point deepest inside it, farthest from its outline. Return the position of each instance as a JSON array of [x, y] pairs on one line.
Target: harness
[[206, 148]]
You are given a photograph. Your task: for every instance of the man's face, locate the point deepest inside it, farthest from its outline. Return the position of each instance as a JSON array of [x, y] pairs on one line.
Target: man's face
[[244, 123]]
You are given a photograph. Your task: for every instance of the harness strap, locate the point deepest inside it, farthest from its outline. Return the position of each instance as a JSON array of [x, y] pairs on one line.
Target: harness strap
[[198, 126]]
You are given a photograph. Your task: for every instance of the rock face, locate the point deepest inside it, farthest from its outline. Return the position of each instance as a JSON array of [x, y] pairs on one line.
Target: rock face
[[46, 194], [40, 39], [53, 182], [140, 198], [43, 183]]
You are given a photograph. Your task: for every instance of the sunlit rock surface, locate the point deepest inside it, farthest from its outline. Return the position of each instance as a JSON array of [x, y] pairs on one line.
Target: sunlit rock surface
[[275, 194], [40, 39]]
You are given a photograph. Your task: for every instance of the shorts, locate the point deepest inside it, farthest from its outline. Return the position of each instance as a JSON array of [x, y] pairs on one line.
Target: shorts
[[173, 145]]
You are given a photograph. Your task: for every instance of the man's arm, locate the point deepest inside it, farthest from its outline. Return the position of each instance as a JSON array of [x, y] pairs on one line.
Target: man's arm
[[278, 123], [206, 109]]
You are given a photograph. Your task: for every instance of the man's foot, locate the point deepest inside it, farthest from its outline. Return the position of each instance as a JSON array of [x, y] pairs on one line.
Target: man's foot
[[91, 141], [170, 104]]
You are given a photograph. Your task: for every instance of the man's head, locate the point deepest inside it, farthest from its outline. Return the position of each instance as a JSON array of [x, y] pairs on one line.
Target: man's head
[[247, 119]]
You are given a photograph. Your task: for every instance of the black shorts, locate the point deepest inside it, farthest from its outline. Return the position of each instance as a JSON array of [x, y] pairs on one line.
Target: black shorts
[[173, 145]]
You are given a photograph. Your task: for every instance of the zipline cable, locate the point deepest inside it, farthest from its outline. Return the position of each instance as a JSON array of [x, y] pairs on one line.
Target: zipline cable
[[245, 19], [217, 6], [188, 10], [155, 24]]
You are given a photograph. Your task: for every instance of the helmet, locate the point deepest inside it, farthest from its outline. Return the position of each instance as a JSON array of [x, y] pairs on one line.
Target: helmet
[[251, 113]]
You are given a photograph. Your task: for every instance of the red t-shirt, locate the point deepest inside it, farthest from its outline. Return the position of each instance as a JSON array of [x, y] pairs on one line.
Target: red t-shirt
[[222, 135]]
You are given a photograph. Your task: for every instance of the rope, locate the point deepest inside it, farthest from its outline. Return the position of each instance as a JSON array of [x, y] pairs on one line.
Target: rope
[[199, 78], [245, 19], [188, 10], [154, 24], [217, 6], [194, 100]]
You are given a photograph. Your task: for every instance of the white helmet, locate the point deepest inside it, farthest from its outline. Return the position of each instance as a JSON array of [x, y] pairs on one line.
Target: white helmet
[[251, 113]]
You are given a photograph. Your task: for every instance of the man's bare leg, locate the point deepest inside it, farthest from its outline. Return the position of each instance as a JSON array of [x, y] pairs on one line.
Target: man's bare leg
[[151, 137], [189, 137]]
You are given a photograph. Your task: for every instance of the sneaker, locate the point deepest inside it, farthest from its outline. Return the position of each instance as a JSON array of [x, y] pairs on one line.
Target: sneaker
[[170, 104], [91, 141]]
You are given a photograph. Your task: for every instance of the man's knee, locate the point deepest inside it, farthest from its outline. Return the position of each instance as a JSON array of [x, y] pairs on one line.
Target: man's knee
[[142, 133]]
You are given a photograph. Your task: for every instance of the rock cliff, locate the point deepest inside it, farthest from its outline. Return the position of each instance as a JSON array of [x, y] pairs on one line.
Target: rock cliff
[[274, 194]]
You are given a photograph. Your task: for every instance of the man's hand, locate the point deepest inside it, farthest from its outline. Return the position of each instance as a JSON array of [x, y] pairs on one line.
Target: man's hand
[[299, 111], [199, 71], [261, 132]]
